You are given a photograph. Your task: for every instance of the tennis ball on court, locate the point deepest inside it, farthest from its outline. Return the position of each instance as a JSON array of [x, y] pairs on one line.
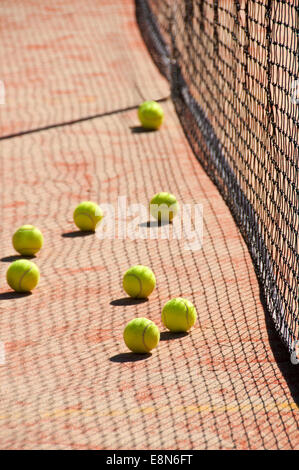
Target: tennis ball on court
[[139, 281], [87, 215], [150, 115], [179, 315], [164, 207], [22, 275], [27, 240], [141, 335]]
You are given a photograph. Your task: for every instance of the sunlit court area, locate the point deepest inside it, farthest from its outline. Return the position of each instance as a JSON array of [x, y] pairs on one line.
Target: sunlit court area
[[149, 264]]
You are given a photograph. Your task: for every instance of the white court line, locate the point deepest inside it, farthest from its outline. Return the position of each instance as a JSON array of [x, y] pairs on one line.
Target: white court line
[[2, 353]]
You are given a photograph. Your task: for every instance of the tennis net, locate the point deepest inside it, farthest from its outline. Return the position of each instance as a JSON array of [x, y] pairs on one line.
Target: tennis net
[[233, 70]]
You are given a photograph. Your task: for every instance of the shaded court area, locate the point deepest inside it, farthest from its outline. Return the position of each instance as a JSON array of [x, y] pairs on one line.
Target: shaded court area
[[75, 73]]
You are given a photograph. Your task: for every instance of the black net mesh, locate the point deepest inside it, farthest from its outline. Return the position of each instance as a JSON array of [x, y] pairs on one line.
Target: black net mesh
[[233, 68]]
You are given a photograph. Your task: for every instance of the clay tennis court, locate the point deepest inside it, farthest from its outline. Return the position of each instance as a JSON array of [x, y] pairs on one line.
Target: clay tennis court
[[75, 73]]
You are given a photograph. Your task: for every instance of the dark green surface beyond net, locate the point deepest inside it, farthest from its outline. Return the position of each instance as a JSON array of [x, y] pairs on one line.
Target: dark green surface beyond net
[[233, 70]]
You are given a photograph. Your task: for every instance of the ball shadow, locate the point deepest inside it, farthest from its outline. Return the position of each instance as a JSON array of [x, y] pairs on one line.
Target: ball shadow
[[77, 233], [127, 301], [10, 259], [129, 357], [155, 223], [14, 295], [169, 335], [141, 130]]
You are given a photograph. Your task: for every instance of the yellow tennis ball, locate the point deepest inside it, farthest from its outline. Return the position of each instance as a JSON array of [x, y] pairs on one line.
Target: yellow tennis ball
[[164, 207], [151, 115], [22, 275], [141, 335], [87, 215], [179, 315], [27, 240], [139, 281]]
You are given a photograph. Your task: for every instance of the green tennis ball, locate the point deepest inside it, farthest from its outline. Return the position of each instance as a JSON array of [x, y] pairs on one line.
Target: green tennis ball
[[150, 115], [139, 281], [179, 315], [22, 275], [27, 240], [164, 207], [141, 335], [87, 215]]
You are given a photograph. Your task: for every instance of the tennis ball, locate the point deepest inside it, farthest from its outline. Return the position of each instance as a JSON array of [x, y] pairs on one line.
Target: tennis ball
[[139, 281], [22, 275], [179, 315], [164, 207], [87, 215], [141, 335], [150, 115], [27, 240]]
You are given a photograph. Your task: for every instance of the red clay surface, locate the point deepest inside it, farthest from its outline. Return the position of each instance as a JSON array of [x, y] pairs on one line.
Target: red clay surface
[[68, 381]]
